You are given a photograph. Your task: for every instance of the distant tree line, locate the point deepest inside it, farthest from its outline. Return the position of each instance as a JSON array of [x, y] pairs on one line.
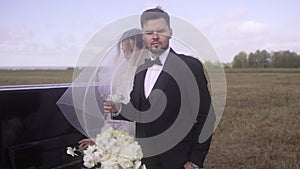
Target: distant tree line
[[262, 58]]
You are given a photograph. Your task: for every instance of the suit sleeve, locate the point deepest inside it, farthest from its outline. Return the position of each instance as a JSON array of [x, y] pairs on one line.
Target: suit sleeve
[[203, 127]]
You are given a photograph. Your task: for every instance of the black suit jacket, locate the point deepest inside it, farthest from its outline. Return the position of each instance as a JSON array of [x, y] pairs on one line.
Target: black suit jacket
[[179, 109]]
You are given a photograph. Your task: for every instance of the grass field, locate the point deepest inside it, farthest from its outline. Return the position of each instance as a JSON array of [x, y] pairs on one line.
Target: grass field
[[27, 77], [260, 128]]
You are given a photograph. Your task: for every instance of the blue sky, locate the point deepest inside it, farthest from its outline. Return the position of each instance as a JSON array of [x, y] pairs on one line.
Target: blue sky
[[52, 33]]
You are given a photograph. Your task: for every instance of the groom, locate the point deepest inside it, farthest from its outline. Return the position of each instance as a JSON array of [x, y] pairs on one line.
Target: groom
[[163, 100]]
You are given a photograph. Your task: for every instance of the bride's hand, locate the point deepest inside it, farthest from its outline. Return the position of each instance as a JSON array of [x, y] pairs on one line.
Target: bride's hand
[[110, 107], [188, 165], [84, 143]]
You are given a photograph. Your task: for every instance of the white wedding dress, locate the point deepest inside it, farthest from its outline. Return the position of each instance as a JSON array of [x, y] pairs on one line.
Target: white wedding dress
[[122, 84]]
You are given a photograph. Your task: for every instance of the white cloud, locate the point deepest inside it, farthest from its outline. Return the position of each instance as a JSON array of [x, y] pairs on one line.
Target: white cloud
[[293, 46], [252, 27], [232, 36], [15, 35], [237, 14], [283, 42], [17, 49], [62, 39], [20, 34], [37, 55], [205, 24]]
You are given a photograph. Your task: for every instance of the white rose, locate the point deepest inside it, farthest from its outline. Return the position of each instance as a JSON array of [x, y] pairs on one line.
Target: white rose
[[88, 161], [71, 151], [126, 164]]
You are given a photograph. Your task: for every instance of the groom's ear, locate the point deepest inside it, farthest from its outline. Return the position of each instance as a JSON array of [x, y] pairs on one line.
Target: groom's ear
[[171, 33]]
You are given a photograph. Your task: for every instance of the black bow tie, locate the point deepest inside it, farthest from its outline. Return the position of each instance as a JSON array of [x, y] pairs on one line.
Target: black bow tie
[[149, 62]]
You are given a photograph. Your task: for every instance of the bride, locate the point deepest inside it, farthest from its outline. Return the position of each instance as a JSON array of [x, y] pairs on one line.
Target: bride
[[130, 46]]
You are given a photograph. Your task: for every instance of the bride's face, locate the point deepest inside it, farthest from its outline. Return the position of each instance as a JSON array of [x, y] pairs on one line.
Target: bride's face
[[127, 47]]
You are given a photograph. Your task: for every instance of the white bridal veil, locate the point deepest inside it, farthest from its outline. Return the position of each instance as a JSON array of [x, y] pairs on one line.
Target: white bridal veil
[[110, 73]]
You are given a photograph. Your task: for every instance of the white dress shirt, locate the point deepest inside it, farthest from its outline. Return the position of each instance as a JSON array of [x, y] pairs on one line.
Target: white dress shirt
[[153, 72], [151, 76]]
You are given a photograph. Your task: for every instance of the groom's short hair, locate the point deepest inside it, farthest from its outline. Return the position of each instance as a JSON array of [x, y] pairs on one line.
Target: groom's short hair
[[154, 13]]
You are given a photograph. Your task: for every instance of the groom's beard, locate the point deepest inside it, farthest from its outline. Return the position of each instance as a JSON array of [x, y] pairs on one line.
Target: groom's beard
[[157, 51]]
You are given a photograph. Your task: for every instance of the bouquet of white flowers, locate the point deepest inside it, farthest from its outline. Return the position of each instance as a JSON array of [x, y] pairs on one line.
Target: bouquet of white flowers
[[114, 149]]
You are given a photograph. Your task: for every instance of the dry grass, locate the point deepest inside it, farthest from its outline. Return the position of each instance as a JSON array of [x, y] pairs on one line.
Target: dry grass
[[26, 77], [260, 127], [260, 124], [263, 70]]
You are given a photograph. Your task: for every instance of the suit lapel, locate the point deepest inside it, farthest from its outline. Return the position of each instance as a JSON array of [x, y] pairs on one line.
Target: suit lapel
[[139, 93], [166, 74], [165, 77], [162, 81]]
